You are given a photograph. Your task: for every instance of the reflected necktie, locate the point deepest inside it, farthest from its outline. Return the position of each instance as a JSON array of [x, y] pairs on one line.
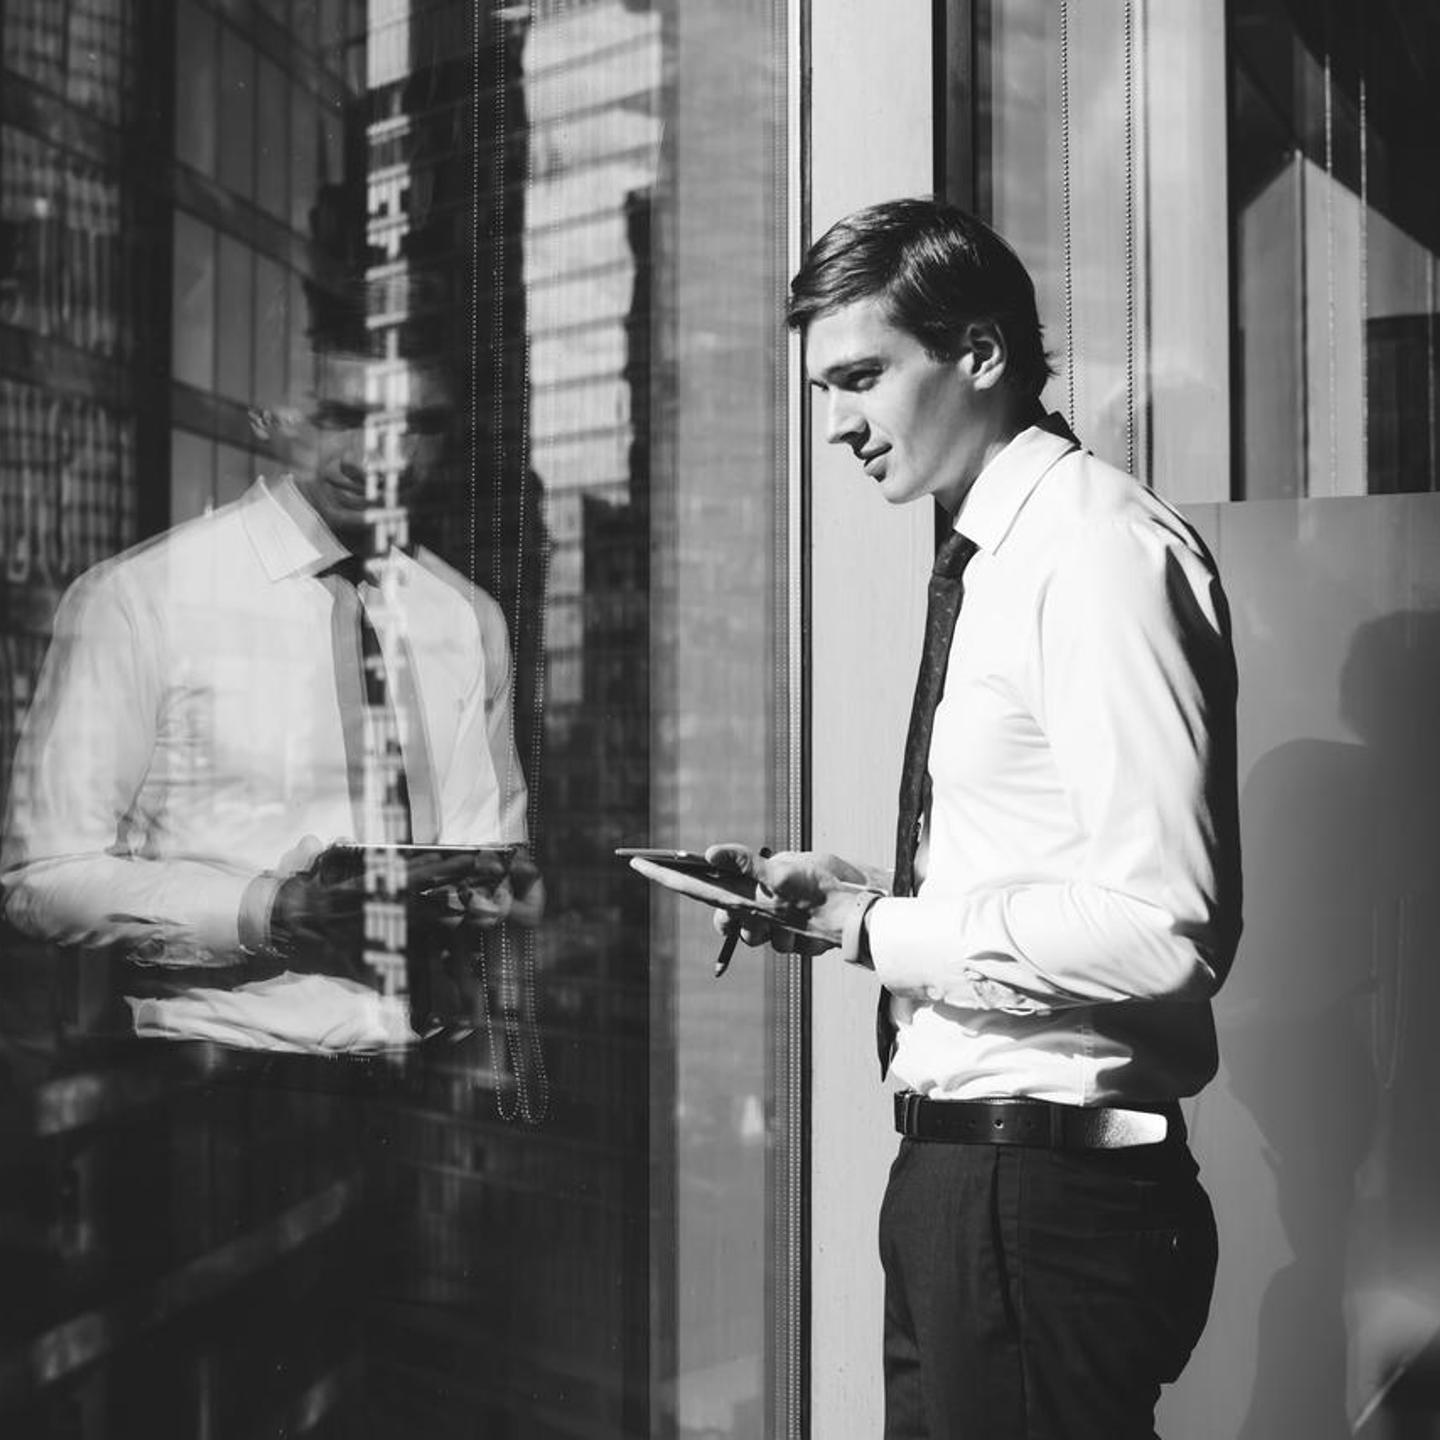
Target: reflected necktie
[[947, 589], [374, 762]]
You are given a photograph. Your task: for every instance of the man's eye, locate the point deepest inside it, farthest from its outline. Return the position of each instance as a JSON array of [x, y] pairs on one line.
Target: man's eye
[[863, 381], [338, 417]]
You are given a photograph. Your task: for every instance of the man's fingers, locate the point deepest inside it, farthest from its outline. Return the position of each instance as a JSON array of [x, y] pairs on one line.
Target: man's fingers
[[524, 874], [487, 908], [791, 877], [300, 856], [731, 856], [753, 932], [527, 905], [433, 870], [783, 942]]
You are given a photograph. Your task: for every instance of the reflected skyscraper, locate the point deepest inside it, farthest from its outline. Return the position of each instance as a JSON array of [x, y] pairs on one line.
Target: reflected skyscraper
[[494, 1238]]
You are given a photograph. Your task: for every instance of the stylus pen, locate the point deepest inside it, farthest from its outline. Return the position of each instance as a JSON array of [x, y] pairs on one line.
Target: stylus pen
[[727, 951], [732, 939]]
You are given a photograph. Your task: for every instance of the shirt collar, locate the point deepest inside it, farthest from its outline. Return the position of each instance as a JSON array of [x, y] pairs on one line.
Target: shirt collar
[[1001, 489], [288, 535]]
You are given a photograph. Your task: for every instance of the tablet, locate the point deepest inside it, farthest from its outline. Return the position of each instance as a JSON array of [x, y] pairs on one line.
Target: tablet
[[688, 860], [693, 866], [688, 873]]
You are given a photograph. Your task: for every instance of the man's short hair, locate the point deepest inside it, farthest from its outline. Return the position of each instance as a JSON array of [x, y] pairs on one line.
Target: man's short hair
[[935, 269]]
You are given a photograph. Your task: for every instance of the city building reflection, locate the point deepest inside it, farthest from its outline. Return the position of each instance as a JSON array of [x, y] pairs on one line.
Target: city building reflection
[[552, 1224]]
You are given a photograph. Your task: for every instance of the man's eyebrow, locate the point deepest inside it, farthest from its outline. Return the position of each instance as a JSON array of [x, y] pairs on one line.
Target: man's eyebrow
[[843, 368]]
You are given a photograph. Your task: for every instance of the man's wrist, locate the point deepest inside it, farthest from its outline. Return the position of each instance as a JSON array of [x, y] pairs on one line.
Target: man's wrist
[[854, 939], [255, 907]]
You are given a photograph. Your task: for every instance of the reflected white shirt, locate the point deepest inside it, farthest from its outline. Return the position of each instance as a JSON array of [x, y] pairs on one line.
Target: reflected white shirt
[[187, 729], [1080, 896]]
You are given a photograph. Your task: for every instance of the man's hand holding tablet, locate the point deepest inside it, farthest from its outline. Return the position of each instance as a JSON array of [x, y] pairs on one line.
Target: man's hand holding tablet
[[795, 901], [317, 913]]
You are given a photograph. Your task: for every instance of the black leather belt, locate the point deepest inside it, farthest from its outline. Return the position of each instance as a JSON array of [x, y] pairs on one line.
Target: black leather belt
[[1035, 1122]]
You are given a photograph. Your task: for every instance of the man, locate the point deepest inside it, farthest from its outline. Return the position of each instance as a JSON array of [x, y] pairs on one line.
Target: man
[[1066, 894], [222, 702]]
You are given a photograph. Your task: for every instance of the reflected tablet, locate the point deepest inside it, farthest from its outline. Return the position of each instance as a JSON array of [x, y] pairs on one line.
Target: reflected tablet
[[424, 866]]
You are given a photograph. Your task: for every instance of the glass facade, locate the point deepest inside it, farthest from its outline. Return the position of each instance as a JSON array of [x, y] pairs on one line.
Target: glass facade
[[1161, 167], [1333, 114], [529, 256]]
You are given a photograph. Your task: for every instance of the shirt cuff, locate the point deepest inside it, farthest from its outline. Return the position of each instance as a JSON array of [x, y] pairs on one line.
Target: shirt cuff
[[255, 905], [921, 948], [854, 949]]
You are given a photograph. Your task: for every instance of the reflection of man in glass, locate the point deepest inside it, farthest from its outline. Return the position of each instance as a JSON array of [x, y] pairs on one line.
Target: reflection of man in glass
[[282, 669]]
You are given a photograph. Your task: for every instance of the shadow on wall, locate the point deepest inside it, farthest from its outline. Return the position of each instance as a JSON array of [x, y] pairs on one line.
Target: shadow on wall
[[1330, 1029]]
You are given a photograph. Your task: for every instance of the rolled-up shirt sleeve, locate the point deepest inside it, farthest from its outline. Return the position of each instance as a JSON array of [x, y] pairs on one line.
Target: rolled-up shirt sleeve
[[1134, 694]]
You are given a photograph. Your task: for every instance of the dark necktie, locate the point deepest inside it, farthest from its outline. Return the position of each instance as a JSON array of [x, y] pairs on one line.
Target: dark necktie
[[947, 589], [374, 762]]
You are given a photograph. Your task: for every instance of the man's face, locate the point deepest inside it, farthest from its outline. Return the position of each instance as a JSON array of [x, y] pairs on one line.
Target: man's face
[[361, 421], [918, 425]]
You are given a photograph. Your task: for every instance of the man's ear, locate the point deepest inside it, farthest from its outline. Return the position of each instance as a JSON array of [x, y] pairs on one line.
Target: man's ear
[[984, 355], [278, 424]]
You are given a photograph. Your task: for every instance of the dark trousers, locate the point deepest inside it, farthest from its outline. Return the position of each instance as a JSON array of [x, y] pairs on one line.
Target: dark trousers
[[1035, 1294]]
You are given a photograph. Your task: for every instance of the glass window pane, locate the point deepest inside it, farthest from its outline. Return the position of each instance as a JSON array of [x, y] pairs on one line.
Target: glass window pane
[[192, 474], [195, 86], [300, 361], [1337, 254], [304, 155], [303, 17], [332, 141], [235, 472], [234, 318], [272, 320], [97, 72], [273, 151], [193, 317], [340, 1138], [32, 201], [35, 43], [1328, 260], [237, 113]]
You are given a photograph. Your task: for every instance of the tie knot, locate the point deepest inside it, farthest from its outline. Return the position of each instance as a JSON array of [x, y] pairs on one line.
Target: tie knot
[[954, 555], [350, 567]]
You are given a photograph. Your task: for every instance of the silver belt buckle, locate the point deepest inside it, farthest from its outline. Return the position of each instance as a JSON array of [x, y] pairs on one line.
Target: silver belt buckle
[[1121, 1129]]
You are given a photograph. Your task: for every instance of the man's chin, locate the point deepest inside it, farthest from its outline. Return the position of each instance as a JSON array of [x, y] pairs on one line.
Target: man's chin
[[894, 491], [350, 503]]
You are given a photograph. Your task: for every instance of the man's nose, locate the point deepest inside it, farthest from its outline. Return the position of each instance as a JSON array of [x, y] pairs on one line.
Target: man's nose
[[843, 421]]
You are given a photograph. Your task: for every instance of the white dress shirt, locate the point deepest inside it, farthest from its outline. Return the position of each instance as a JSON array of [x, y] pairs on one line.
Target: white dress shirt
[[1080, 898], [187, 728]]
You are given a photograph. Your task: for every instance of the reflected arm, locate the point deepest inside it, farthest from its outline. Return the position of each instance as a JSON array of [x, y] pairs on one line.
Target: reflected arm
[[72, 871]]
